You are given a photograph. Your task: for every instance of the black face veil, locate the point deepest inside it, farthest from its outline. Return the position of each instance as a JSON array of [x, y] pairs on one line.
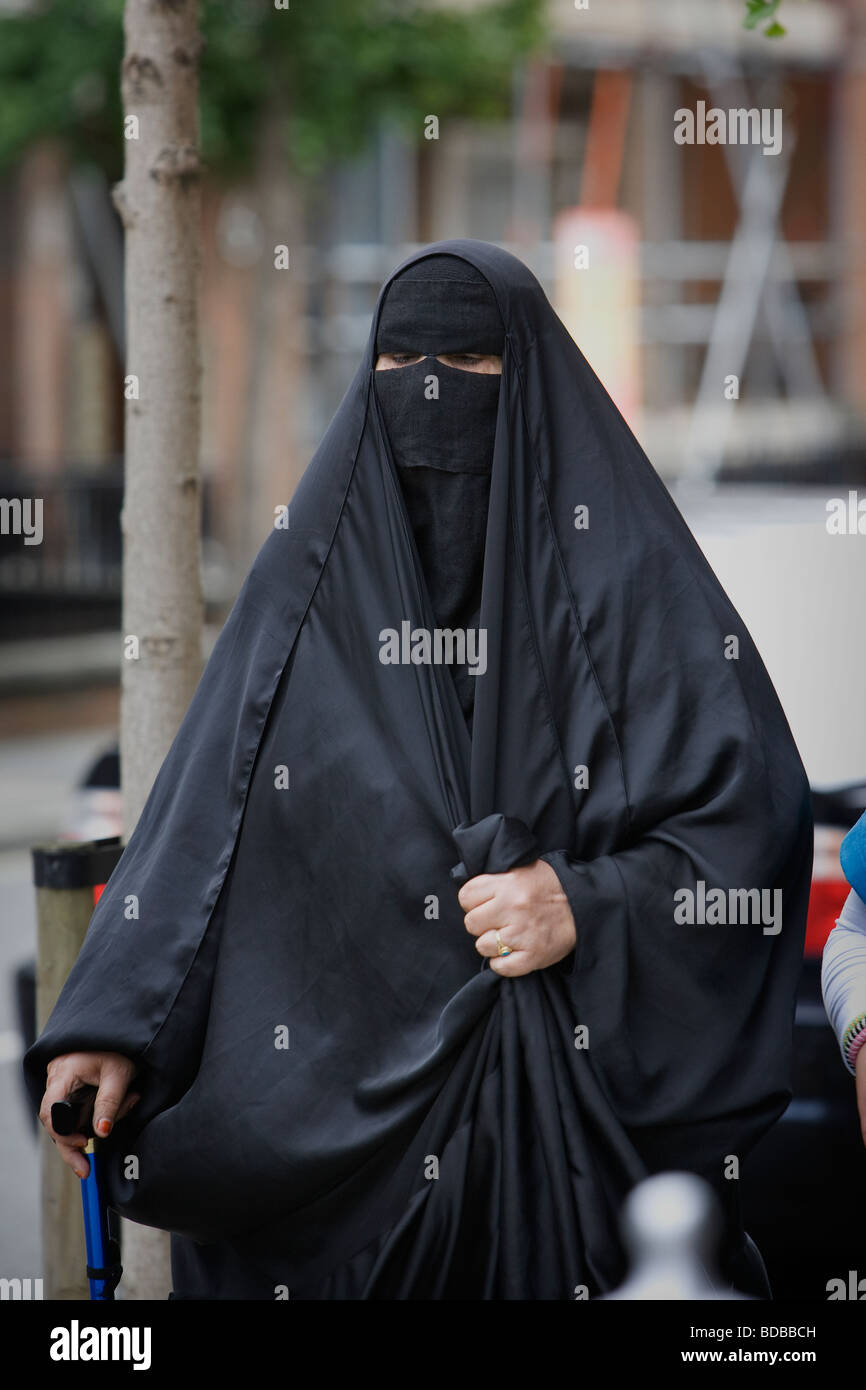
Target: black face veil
[[440, 421], [338, 1095]]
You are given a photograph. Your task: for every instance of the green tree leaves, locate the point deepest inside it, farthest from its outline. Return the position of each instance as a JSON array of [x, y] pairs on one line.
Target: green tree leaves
[[334, 67], [758, 12]]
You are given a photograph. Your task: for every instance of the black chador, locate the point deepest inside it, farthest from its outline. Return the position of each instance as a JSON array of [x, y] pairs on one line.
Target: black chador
[[339, 1099]]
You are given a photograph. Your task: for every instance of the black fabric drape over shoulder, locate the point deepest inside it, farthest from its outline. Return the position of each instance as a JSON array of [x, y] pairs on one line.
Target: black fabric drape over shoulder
[[433, 1130]]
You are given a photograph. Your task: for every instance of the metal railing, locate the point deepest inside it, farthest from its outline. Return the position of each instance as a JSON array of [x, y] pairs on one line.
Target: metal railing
[[60, 533]]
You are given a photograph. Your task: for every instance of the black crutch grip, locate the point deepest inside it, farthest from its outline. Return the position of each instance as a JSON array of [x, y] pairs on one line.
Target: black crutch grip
[[74, 1115]]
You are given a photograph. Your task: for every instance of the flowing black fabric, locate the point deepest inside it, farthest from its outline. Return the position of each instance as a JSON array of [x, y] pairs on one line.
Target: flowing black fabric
[[433, 1130]]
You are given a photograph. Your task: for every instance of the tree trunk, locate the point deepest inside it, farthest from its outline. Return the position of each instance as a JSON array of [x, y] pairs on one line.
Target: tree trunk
[[159, 201]]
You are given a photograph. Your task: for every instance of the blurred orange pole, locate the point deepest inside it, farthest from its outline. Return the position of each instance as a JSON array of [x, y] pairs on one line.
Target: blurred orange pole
[[605, 140]]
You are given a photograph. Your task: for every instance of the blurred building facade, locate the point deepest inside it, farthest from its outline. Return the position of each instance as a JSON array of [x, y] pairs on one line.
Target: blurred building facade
[[734, 264]]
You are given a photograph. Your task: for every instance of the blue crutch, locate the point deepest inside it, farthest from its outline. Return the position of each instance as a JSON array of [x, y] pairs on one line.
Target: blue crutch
[[73, 1116]]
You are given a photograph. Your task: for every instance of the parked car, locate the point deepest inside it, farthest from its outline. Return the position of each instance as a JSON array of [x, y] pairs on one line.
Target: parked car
[[801, 591], [804, 1183]]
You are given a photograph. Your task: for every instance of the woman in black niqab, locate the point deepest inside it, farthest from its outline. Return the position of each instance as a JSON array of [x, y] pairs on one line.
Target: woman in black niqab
[[338, 1099]]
